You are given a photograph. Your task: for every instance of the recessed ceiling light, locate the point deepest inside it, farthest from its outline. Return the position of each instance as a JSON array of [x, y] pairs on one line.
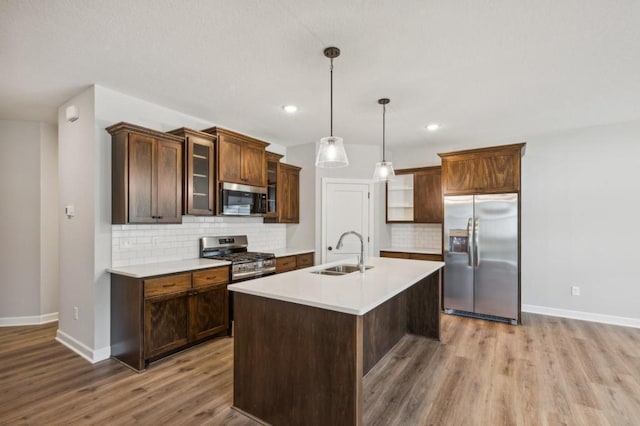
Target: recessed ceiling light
[[290, 108], [433, 127]]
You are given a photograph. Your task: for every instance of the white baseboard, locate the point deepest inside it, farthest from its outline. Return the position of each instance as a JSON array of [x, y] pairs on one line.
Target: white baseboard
[[585, 316], [83, 350], [30, 320]]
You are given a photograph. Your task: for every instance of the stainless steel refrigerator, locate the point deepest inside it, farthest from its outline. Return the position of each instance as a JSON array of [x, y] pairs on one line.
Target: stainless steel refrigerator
[[481, 254]]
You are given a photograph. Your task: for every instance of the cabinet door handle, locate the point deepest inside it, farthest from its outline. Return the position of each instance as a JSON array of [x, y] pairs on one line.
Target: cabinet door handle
[[159, 217], [168, 285]]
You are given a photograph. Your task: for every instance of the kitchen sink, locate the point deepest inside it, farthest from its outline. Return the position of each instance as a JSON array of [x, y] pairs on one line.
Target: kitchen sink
[[340, 270]]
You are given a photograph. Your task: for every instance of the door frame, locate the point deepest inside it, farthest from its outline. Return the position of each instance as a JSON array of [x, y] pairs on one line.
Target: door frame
[[323, 237]]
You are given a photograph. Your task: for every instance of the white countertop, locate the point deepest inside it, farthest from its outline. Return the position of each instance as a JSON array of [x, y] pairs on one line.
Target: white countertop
[[163, 268], [353, 293], [289, 251], [413, 250]]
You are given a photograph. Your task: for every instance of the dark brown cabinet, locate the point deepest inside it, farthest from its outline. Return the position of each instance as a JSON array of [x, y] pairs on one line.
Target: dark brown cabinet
[[199, 176], [146, 182], [155, 316], [290, 263], [283, 191], [410, 255], [289, 194], [415, 196], [239, 158], [273, 170], [482, 171], [166, 323]]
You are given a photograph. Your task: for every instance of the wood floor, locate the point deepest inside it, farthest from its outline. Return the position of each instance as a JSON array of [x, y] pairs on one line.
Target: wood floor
[[549, 371]]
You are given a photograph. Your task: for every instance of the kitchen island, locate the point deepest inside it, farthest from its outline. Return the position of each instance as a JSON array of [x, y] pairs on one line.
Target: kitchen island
[[303, 341]]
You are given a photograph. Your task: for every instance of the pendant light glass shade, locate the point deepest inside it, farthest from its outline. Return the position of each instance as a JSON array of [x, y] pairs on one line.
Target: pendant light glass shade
[[384, 172], [384, 169], [331, 153]]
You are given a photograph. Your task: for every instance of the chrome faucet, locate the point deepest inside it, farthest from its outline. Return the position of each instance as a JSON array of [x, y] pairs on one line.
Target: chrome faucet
[[361, 260]]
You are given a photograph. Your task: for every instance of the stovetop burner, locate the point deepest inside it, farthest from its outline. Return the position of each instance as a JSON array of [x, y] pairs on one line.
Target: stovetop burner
[[248, 256], [244, 264]]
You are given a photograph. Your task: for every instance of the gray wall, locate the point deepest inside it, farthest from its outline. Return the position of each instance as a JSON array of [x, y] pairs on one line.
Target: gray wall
[[28, 265], [579, 218]]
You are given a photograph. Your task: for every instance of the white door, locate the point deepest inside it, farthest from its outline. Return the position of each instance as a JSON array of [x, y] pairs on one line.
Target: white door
[[346, 206]]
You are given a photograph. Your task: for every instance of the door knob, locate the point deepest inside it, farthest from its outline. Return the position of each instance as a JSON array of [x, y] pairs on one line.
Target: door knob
[[329, 248]]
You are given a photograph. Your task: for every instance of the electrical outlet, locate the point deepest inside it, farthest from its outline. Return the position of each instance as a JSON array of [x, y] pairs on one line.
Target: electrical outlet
[[125, 243], [75, 312], [155, 240], [575, 290]]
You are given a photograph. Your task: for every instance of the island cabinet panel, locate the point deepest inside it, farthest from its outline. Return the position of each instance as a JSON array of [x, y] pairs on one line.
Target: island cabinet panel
[[289, 383], [424, 306], [155, 316], [383, 327], [482, 171]]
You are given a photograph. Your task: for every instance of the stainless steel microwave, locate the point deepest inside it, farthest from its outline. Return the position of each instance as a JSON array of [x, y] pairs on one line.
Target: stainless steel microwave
[[242, 200]]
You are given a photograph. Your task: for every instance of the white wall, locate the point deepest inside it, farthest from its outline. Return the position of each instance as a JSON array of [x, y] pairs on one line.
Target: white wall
[[78, 155], [86, 241], [579, 219], [28, 265], [362, 160], [20, 218], [49, 212], [302, 235]]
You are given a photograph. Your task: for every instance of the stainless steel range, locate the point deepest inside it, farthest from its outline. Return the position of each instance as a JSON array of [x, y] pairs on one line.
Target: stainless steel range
[[244, 264]]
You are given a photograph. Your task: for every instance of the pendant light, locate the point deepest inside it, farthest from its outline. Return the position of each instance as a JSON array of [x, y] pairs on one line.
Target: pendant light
[[331, 153], [384, 169]]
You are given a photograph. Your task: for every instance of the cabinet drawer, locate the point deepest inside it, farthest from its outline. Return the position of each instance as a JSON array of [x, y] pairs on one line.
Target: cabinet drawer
[[168, 284], [211, 276], [284, 264], [304, 260], [421, 256], [395, 254]]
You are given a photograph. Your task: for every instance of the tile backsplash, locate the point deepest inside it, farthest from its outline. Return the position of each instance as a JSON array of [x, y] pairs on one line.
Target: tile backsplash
[[416, 235], [139, 244]]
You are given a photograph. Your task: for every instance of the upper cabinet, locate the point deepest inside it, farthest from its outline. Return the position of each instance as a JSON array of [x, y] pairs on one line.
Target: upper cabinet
[[146, 179], [289, 194], [199, 179], [415, 196], [273, 168], [283, 191], [486, 170], [239, 158]]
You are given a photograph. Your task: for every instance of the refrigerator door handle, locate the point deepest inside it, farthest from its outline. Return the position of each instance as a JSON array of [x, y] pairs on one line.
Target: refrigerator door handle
[[476, 243], [470, 241]]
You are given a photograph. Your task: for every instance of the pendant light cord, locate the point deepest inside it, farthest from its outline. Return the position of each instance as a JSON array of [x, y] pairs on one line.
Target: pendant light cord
[[331, 108], [384, 112]]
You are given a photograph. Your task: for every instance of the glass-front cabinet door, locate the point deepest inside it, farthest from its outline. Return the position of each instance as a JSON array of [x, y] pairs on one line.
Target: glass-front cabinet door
[[273, 164], [199, 176]]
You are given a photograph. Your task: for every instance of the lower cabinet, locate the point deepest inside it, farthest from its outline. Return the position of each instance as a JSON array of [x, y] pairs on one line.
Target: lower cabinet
[[409, 255], [290, 263], [152, 317]]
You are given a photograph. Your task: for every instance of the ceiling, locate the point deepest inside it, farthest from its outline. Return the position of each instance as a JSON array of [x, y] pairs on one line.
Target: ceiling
[[492, 71]]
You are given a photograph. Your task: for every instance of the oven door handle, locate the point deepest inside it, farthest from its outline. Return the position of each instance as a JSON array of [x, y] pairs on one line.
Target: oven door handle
[[256, 274]]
